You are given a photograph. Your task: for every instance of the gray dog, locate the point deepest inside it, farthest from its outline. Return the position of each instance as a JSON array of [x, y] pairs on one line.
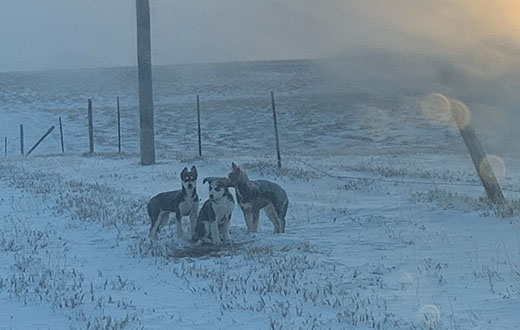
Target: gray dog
[[254, 195], [184, 202]]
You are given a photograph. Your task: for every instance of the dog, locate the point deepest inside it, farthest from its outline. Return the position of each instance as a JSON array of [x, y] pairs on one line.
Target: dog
[[215, 216], [252, 196], [184, 202]]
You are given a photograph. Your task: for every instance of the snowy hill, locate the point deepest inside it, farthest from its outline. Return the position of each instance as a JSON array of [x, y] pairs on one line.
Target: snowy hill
[[387, 226]]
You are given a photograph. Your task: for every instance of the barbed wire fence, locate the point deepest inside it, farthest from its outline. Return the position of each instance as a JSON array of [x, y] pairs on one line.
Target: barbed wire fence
[[241, 130]]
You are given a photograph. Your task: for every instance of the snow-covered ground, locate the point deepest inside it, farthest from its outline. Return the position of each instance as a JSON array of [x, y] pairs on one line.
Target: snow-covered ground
[[387, 226]]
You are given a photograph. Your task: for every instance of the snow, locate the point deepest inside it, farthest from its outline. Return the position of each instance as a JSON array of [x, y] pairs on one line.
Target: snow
[[413, 245]]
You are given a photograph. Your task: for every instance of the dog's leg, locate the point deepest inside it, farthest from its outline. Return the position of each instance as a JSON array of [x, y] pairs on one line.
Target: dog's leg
[[193, 217], [248, 216], [207, 232], [270, 211], [256, 219], [282, 214], [204, 234], [161, 221], [282, 225], [281, 220], [178, 217], [153, 228], [164, 217], [215, 235], [225, 230]]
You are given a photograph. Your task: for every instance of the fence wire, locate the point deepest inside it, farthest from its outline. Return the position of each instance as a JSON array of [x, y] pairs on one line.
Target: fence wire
[[409, 182]]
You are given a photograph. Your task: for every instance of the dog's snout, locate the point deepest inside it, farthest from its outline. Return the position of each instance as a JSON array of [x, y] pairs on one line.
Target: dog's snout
[[211, 196], [190, 186]]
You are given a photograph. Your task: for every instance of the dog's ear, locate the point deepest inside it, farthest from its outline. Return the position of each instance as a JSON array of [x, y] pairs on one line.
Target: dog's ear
[[205, 180], [184, 170], [194, 169], [234, 166]]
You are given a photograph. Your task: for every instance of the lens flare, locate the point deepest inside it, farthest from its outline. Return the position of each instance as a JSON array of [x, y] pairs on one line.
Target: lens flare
[[436, 107], [497, 164], [460, 112], [429, 315]]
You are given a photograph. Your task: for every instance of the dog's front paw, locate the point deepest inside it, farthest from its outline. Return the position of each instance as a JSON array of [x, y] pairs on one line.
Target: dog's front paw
[[225, 238], [206, 240], [180, 232], [217, 241]]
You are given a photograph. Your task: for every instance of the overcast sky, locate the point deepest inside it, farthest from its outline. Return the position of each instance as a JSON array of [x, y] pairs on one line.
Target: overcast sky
[[48, 34]]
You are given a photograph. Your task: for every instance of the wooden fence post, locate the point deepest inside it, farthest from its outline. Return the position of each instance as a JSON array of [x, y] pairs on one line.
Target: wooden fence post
[[198, 123], [5, 146], [49, 131], [61, 137], [90, 127], [21, 139], [118, 126], [276, 132], [144, 69], [482, 165]]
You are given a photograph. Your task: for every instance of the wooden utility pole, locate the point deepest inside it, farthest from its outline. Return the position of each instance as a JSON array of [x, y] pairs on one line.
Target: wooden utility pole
[[144, 68], [481, 162]]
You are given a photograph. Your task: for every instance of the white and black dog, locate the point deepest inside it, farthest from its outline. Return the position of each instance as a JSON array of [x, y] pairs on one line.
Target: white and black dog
[[254, 195], [184, 202], [215, 216]]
